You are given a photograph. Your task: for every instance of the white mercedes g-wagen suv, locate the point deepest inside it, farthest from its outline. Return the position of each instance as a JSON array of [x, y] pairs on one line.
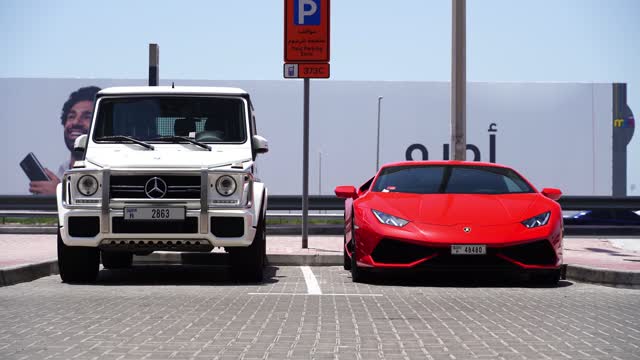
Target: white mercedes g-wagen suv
[[164, 169]]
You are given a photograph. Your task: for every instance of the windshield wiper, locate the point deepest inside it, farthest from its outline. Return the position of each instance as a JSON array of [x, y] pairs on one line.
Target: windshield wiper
[[176, 138], [126, 138]]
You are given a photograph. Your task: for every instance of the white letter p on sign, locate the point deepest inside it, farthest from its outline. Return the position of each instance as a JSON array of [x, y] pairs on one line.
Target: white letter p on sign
[[302, 9]]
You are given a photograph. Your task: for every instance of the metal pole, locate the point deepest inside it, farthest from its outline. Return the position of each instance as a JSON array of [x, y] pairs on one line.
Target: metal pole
[[320, 173], [305, 169], [154, 60], [458, 82], [378, 138]]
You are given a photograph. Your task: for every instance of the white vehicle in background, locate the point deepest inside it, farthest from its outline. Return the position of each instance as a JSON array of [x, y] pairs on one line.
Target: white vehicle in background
[[164, 169]]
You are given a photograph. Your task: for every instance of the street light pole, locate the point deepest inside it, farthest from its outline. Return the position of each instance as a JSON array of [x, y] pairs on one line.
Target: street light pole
[[458, 82], [378, 139], [319, 172]]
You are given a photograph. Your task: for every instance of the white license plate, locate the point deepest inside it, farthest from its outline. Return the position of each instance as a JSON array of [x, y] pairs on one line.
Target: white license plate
[[468, 249], [154, 213]]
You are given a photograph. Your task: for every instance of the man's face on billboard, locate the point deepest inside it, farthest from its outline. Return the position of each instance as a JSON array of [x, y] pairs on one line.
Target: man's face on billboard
[[77, 122]]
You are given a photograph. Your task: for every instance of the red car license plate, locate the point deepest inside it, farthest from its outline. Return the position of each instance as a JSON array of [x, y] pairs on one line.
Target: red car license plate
[[468, 249]]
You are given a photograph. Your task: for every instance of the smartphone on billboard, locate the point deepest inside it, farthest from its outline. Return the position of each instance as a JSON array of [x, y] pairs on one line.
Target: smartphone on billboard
[[32, 167]]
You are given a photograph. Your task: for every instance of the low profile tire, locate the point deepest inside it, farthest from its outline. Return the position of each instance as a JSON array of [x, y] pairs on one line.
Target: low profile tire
[[247, 264], [346, 260], [116, 259], [358, 274], [549, 278], [77, 264], [345, 257]]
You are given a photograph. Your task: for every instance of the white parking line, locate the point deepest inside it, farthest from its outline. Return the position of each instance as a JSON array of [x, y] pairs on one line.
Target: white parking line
[[298, 294], [312, 283]]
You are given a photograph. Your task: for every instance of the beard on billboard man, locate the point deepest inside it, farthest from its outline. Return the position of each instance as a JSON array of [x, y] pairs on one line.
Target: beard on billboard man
[[76, 116]]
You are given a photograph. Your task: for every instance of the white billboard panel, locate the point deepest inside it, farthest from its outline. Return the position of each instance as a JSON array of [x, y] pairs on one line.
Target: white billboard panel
[[556, 134]]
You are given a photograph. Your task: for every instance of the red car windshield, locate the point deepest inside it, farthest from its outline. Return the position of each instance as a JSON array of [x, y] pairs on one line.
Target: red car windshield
[[439, 179]]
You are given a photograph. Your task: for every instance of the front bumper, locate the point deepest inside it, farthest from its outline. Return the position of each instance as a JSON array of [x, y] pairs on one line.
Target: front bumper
[[113, 230], [205, 226], [509, 247]]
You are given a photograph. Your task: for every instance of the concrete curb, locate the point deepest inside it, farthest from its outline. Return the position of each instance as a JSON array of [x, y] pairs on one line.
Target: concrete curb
[[24, 273], [206, 258], [616, 278], [38, 230], [309, 260]]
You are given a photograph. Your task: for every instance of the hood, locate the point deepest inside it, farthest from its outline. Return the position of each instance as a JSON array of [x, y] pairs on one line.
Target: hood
[[452, 209], [166, 155]]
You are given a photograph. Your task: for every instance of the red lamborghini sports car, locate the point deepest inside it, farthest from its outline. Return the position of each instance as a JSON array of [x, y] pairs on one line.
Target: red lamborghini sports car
[[452, 215]]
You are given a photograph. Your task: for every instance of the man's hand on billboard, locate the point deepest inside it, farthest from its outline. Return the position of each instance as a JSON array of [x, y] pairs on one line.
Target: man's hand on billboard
[[45, 187]]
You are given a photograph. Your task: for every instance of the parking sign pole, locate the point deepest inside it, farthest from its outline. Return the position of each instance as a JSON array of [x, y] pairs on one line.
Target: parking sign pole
[[306, 55], [305, 169]]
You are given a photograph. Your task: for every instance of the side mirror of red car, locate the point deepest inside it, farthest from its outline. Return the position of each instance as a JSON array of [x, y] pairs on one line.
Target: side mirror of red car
[[552, 193], [346, 192]]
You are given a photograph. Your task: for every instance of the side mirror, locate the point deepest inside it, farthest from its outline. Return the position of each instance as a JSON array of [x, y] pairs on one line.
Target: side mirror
[[260, 144], [552, 193], [80, 144], [346, 192]]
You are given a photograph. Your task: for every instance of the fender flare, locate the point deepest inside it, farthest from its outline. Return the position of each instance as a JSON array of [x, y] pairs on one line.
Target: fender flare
[[61, 210], [260, 202]]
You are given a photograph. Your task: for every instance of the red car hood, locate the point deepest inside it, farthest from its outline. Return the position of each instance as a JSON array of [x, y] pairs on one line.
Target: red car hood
[[452, 209]]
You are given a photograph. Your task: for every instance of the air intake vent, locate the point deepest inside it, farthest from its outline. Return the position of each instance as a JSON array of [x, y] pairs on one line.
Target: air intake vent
[[84, 226], [399, 252], [187, 226], [533, 253], [226, 226]]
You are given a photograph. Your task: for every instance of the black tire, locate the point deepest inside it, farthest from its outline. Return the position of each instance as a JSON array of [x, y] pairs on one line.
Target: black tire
[[345, 257], [549, 278], [116, 259], [346, 260], [77, 264], [358, 274], [247, 264]]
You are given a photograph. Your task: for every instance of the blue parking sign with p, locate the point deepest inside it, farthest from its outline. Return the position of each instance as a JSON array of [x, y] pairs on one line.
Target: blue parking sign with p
[[306, 12]]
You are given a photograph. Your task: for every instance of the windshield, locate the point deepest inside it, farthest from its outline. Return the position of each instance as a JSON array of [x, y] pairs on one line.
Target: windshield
[[431, 179], [205, 119]]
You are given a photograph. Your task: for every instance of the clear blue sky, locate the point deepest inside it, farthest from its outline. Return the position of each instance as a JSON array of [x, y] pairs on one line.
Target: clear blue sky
[[508, 40]]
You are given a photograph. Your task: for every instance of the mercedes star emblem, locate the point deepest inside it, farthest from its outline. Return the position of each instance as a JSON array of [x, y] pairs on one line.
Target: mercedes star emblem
[[466, 229], [155, 188]]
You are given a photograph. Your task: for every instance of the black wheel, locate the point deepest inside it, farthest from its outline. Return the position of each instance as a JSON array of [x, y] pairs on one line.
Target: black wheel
[[247, 264], [358, 274], [77, 264], [346, 260], [116, 259], [549, 278], [345, 257]]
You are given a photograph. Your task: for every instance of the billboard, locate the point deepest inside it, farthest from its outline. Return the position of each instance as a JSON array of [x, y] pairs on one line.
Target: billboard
[[567, 135]]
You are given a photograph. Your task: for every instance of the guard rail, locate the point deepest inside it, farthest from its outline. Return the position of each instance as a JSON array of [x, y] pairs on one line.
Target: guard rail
[[38, 206]]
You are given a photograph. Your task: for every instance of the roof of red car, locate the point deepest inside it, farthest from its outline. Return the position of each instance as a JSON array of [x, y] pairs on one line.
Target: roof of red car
[[442, 162]]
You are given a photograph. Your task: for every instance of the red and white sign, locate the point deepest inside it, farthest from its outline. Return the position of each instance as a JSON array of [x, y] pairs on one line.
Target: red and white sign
[[306, 31], [306, 70]]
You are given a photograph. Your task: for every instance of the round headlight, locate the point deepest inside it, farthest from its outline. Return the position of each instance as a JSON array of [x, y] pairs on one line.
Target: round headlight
[[226, 185], [87, 185]]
